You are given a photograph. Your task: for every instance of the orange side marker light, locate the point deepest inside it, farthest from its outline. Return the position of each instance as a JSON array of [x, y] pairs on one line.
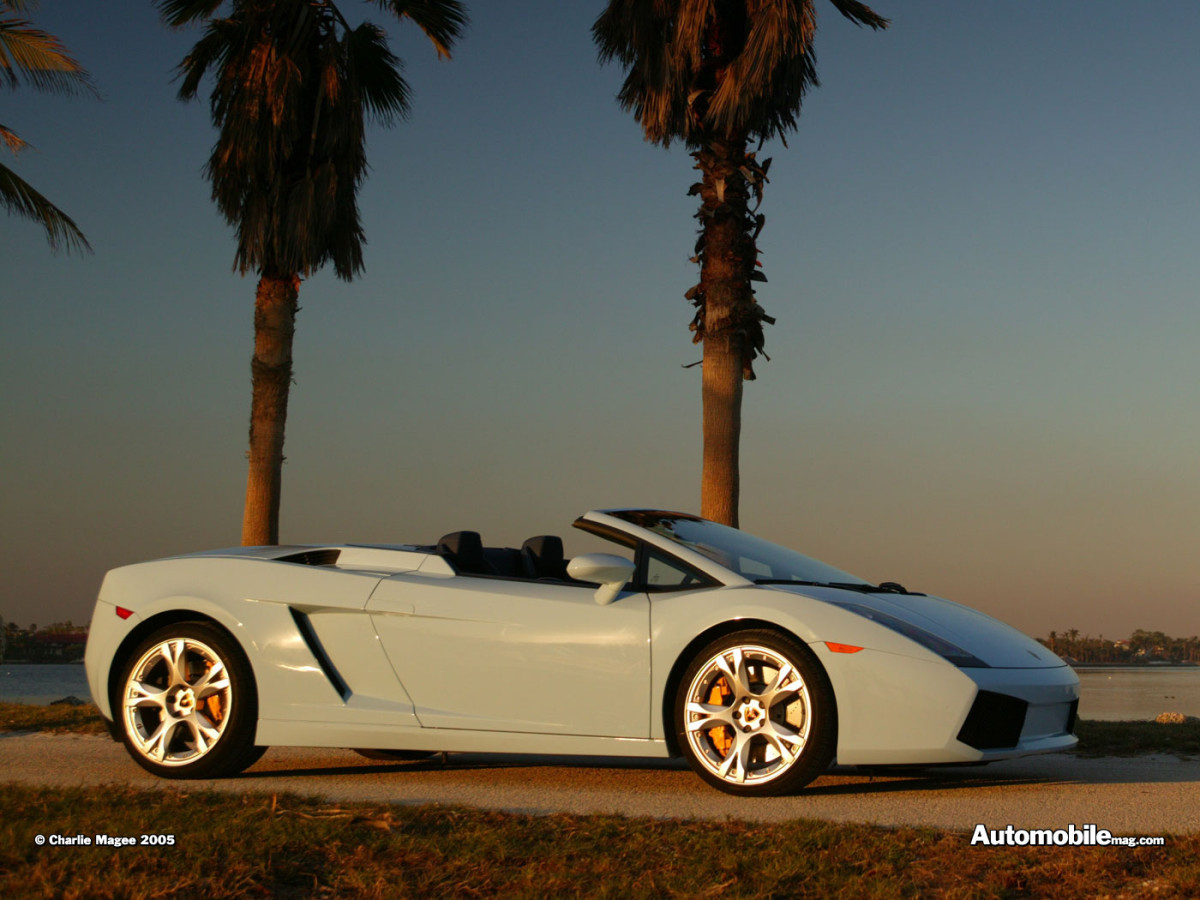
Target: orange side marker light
[[842, 648]]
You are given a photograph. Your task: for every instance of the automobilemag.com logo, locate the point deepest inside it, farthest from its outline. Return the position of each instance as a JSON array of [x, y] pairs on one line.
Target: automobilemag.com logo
[[1087, 836]]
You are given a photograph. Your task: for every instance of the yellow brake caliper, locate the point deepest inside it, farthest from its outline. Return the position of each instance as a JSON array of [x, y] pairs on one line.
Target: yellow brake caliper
[[722, 735], [213, 703]]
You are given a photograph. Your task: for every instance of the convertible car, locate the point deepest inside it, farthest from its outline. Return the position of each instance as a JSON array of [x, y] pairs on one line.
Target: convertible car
[[759, 665]]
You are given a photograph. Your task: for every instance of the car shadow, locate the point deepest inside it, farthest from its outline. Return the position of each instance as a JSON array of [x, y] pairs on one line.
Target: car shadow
[[464, 762], [839, 781]]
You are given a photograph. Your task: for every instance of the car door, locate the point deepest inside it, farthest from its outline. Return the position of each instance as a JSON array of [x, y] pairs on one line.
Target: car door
[[495, 654]]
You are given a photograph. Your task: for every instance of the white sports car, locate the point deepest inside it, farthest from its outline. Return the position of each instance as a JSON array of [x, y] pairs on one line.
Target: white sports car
[[759, 665]]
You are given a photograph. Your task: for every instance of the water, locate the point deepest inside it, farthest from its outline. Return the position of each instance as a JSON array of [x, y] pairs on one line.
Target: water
[[42, 684], [1138, 692], [1108, 694]]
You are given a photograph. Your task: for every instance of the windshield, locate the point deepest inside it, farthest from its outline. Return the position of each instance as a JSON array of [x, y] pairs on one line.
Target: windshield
[[749, 556]]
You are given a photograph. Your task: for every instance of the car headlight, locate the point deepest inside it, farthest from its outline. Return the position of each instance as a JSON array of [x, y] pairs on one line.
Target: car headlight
[[948, 651]]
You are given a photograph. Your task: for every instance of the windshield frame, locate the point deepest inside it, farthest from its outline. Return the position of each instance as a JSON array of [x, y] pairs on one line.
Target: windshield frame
[[734, 556]]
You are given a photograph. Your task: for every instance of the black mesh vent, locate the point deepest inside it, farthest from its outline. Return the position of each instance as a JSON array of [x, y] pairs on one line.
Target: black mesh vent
[[313, 558], [994, 722], [1072, 716]]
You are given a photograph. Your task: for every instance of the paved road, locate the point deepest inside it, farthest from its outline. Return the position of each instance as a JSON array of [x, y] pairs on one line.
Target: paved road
[[1139, 796]]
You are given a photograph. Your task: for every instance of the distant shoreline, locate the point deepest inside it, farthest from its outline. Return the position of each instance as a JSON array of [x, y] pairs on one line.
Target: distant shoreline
[[1128, 665], [41, 662]]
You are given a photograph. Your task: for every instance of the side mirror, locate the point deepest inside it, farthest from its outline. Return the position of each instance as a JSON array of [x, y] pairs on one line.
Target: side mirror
[[608, 571]]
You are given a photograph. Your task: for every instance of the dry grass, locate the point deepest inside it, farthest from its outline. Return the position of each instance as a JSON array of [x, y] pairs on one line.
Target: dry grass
[[1137, 738], [77, 719], [261, 845]]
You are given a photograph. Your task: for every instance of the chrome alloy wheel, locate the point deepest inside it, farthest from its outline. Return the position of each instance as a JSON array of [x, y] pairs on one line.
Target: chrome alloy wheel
[[177, 701], [747, 715]]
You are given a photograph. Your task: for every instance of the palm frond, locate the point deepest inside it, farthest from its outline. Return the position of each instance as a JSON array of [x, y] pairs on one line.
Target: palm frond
[[690, 34], [207, 53], [178, 13], [443, 21], [293, 86], [20, 199], [860, 14], [636, 33], [639, 35], [702, 67], [39, 59], [290, 153], [12, 140], [763, 86], [376, 71]]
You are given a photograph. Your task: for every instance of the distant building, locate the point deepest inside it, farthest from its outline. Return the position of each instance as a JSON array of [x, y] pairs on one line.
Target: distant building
[[66, 646]]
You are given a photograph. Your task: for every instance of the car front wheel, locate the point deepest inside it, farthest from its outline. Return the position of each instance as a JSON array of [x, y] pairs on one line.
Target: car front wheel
[[755, 714], [186, 703]]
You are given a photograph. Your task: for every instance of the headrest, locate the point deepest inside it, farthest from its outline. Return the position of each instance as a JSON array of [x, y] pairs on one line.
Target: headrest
[[546, 547], [466, 546]]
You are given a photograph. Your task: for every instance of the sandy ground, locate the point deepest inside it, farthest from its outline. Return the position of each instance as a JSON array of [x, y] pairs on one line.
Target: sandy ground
[[1149, 795]]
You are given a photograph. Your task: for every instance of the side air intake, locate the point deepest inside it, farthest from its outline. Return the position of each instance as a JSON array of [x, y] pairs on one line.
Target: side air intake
[[304, 626], [313, 557]]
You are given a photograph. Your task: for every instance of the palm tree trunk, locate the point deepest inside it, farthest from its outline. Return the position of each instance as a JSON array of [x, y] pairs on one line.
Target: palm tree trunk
[[274, 327], [720, 479], [727, 262]]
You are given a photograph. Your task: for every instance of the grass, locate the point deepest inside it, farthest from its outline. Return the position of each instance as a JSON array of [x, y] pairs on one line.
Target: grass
[[1137, 738], [266, 845], [60, 718]]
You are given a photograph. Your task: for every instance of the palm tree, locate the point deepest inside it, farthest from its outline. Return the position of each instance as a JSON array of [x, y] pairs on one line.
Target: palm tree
[[30, 55], [718, 74], [294, 84]]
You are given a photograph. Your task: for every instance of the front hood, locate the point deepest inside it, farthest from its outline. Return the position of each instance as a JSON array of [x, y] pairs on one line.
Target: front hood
[[1000, 646]]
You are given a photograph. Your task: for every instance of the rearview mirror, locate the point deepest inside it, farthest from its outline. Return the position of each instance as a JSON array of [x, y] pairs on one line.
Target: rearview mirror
[[609, 571]]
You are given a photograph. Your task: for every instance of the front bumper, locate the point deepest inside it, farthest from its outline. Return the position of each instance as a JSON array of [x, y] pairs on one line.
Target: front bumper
[[896, 710]]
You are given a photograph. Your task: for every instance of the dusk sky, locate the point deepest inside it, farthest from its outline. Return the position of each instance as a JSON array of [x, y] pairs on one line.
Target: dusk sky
[[981, 252]]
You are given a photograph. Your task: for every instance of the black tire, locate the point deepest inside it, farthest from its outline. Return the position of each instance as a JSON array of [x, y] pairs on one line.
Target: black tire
[[755, 714], [186, 703]]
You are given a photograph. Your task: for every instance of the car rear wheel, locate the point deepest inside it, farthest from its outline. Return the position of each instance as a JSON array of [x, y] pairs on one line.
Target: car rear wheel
[[755, 714], [186, 703]]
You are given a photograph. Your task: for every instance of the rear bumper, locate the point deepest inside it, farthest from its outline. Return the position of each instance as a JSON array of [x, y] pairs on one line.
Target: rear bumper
[[104, 637]]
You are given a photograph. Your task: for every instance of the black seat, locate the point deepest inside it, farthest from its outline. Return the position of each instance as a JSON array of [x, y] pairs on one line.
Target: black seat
[[504, 561], [542, 557], [464, 551]]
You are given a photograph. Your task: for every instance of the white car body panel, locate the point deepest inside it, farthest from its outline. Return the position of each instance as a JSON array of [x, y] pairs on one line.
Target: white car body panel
[[544, 658], [389, 647]]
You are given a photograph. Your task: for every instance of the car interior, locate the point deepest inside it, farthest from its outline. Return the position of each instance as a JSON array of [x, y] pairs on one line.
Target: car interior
[[539, 559]]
